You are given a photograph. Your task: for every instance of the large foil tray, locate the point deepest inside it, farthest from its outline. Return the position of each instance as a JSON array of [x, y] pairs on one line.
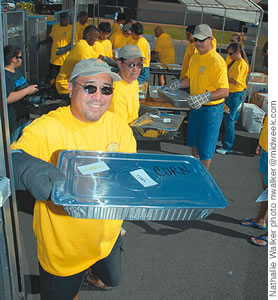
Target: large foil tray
[[173, 67], [135, 186], [157, 66], [153, 91], [149, 126], [178, 98]]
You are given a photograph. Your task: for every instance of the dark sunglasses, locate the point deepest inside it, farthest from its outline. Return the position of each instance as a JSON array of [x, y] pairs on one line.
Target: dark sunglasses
[[91, 89], [17, 57], [232, 53], [132, 65], [200, 41]]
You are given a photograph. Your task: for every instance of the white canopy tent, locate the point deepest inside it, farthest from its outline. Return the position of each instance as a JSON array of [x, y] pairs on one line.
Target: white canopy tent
[[240, 10]]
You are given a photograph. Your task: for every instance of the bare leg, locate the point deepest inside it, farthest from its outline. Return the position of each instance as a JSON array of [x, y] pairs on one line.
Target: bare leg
[[206, 163], [161, 80], [76, 297], [195, 152]]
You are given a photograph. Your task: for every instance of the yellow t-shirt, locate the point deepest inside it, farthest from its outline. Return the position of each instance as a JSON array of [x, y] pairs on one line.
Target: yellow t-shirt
[[207, 72], [190, 50], [145, 48], [103, 47], [165, 47], [82, 50], [118, 40], [238, 71], [263, 141], [125, 102], [61, 36], [68, 245], [115, 27], [79, 29]]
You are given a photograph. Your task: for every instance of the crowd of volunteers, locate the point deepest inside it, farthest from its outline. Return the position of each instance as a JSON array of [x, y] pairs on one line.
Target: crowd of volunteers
[[100, 106]]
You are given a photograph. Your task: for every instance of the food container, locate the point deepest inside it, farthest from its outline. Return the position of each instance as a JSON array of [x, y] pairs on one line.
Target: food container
[[178, 98], [155, 66], [153, 91], [143, 89], [173, 67], [149, 126], [135, 186]]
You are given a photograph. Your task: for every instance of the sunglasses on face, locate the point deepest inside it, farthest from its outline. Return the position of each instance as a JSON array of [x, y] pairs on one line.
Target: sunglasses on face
[[92, 89], [200, 41], [17, 57], [132, 65]]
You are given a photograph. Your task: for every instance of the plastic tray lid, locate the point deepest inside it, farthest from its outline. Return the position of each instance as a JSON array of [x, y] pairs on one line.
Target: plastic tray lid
[[164, 121], [135, 180]]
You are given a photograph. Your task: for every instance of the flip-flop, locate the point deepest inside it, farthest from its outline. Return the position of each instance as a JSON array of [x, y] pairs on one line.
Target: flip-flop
[[262, 238], [252, 224]]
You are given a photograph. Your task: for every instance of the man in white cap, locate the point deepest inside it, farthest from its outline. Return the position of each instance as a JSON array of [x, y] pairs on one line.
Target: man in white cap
[[70, 247], [125, 102], [208, 81]]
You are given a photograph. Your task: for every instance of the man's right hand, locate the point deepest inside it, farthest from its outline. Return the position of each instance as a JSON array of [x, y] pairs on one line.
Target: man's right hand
[[35, 175], [32, 89]]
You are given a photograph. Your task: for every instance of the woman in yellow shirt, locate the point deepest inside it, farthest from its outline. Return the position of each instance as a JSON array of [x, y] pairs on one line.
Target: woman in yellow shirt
[[237, 73]]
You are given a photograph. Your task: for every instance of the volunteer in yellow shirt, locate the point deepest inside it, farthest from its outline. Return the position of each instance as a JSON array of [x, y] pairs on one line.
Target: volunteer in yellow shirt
[[117, 26], [164, 46], [83, 49], [61, 36], [67, 247], [104, 46], [208, 81], [125, 102], [119, 39], [237, 73], [80, 25], [190, 49], [136, 38]]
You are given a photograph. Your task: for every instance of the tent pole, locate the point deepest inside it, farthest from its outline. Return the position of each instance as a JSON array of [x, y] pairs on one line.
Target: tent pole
[[182, 35], [202, 15], [222, 32]]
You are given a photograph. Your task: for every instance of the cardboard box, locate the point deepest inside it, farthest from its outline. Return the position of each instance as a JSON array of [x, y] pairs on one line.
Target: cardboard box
[[260, 99], [258, 77]]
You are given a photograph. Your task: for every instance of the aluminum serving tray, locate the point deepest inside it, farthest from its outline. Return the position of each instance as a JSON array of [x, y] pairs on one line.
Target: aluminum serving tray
[[149, 126], [173, 67], [176, 97], [136, 186], [153, 91]]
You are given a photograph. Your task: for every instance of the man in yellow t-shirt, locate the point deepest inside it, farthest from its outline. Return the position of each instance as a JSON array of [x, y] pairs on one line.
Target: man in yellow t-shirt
[[125, 102], [104, 46], [164, 46], [60, 36], [136, 38], [119, 38], [190, 49], [208, 81], [80, 25], [117, 26], [67, 246], [237, 73], [83, 49]]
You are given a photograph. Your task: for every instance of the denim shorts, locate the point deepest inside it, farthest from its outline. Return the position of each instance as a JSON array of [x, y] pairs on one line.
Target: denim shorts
[[263, 167], [203, 129]]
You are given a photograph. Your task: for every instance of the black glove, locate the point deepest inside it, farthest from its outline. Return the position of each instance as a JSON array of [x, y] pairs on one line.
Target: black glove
[[35, 175], [63, 50], [143, 109]]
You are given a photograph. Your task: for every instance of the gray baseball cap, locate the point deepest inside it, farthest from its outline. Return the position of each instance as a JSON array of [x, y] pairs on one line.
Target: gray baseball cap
[[130, 51], [202, 32], [127, 27], [92, 66]]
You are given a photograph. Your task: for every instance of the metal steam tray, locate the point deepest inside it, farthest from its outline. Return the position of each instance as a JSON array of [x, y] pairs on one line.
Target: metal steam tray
[[135, 186], [178, 98], [164, 126]]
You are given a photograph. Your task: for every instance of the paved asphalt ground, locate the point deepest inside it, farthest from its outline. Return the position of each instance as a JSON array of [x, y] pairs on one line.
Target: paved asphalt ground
[[206, 259]]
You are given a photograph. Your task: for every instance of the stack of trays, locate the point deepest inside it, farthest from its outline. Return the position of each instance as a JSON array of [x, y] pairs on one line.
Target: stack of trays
[[164, 126], [135, 186], [177, 98]]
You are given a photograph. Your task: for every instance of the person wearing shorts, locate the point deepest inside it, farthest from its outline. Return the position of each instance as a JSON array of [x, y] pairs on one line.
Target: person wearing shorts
[[208, 82]]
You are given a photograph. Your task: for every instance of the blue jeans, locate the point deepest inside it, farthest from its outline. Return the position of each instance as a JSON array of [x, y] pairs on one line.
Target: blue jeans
[[203, 129], [144, 75], [233, 102]]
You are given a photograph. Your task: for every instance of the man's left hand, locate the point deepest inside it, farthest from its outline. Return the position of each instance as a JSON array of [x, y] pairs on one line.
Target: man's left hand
[[197, 101]]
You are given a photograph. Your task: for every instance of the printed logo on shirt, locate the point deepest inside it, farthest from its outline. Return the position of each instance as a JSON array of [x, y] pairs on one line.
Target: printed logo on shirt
[[112, 147], [20, 81], [202, 70]]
